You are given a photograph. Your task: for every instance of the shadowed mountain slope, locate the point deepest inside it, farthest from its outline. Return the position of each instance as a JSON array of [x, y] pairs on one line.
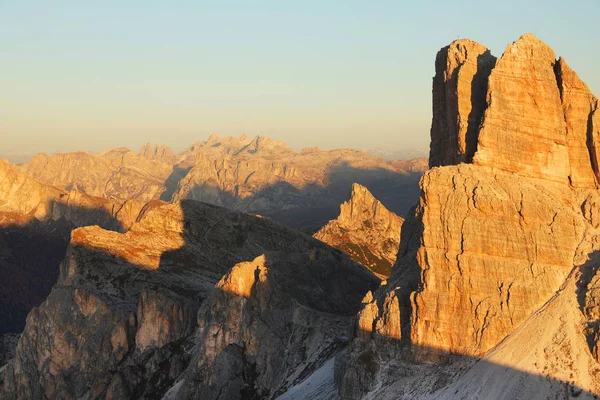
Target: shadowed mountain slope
[[120, 321]]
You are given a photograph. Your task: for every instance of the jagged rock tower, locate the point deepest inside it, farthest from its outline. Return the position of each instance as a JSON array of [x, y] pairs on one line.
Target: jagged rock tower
[[504, 224]]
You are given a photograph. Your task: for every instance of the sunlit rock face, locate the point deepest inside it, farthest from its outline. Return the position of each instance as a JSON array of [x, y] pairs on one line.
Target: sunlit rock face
[[365, 230], [157, 152], [459, 88], [121, 321], [271, 322], [523, 129], [35, 225], [582, 121], [493, 241], [494, 248]]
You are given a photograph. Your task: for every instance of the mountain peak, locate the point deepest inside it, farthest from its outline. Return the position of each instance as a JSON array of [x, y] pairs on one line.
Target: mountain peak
[[366, 230], [156, 151], [546, 105]]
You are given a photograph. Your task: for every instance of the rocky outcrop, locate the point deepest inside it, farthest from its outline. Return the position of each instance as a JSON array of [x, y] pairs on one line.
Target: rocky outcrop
[[237, 184], [459, 89], [20, 194], [24, 199], [581, 119], [418, 165], [526, 113], [547, 355], [494, 249], [365, 230], [270, 323], [493, 263], [119, 323], [35, 225], [523, 129]]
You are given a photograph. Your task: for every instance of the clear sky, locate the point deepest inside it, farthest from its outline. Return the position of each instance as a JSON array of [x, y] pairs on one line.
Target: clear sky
[[80, 74]]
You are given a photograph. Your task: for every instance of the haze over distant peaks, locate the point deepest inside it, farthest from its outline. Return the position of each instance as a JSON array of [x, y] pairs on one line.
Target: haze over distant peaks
[[258, 175], [494, 293]]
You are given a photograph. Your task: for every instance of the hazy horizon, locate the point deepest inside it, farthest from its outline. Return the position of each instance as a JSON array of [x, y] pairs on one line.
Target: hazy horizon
[[92, 76], [380, 151]]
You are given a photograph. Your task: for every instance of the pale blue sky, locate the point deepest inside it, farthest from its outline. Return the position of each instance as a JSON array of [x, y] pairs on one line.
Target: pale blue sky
[[96, 74]]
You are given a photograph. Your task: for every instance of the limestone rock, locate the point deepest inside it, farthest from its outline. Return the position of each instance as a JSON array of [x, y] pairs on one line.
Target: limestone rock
[[258, 175], [523, 128], [536, 118], [494, 249], [121, 319], [24, 199], [578, 106], [418, 165], [302, 190], [271, 322], [22, 195], [493, 263], [547, 355], [35, 223], [459, 89], [365, 230]]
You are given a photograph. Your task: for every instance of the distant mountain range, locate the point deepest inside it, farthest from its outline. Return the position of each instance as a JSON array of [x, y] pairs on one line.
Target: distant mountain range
[[258, 175], [494, 291]]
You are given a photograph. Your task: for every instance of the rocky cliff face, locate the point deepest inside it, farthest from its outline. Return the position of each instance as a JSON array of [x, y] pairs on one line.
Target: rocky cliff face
[[270, 323], [494, 293], [582, 121], [365, 230], [496, 251], [532, 142], [25, 199], [119, 323], [526, 112], [35, 225], [460, 84]]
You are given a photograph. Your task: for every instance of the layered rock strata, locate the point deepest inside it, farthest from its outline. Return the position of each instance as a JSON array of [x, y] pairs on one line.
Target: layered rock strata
[[35, 225], [493, 242], [270, 323], [460, 84], [365, 230], [119, 323]]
